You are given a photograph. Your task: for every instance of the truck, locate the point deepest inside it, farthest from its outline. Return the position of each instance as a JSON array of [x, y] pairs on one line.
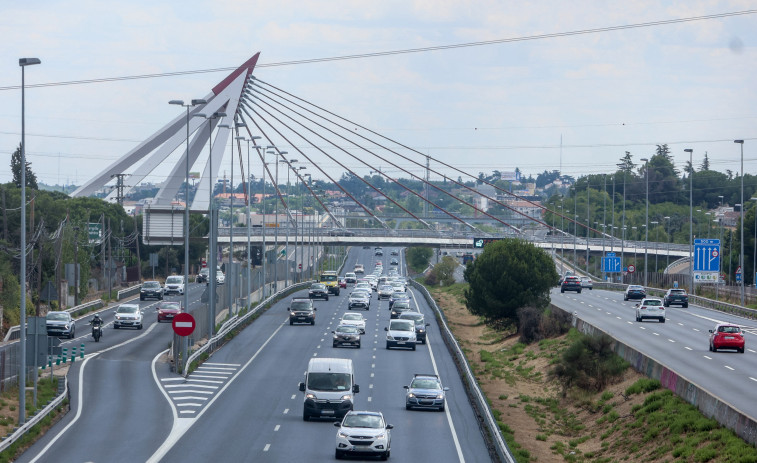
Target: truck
[[331, 280]]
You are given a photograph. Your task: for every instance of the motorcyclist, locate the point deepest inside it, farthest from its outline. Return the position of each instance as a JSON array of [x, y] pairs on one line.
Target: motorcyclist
[[96, 322]]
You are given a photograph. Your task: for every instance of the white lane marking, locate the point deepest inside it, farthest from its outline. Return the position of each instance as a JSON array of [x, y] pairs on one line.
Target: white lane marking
[[187, 411], [695, 329], [680, 324], [319, 346], [687, 348], [267, 446], [630, 323], [752, 351], [370, 386], [180, 427], [729, 367], [753, 379], [172, 379], [190, 391], [276, 428], [214, 375], [619, 318], [215, 369], [369, 399], [189, 397], [193, 385], [222, 364], [192, 380], [286, 410], [708, 358], [372, 375], [190, 404], [294, 396], [670, 340]]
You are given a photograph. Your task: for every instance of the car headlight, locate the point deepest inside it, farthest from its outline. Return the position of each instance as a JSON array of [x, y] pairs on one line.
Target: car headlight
[[420, 330], [66, 326], [381, 436], [336, 336], [347, 397], [343, 434], [389, 337], [411, 395], [440, 395], [310, 395]]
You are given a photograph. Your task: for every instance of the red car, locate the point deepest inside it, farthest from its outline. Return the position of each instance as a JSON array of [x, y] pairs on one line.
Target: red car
[[168, 310], [343, 283], [726, 336]]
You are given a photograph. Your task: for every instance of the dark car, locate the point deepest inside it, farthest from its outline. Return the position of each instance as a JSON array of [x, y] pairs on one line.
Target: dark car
[[571, 283], [318, 291], [168, 310], [151, 290], [346, 335], [202, 277], [420, 324], [395, 252], [727, 336], [398, 296], [301, 311], [634, 292], [394, 262], [676, 296], [60, 324], [400, 307]]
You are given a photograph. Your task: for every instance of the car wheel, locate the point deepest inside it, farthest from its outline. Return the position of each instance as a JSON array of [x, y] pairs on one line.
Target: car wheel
[[685, 306], [662, 319], [387, 346], [305, 417], [413, 346], [562, 290], [291, 322], [115, 327], [140, 326], [408, 407], [384, 456], [741, 351], [710, 347], [141, 298], [358, 345], [327, 298], [312, 322], [665, 304], [625, 298], [713, 348], [579, 291], [333, 344], [160, 298], [423, 341]]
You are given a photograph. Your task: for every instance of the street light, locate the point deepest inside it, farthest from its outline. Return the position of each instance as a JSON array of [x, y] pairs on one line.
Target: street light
[[691, 219], [667, 227], [23, 62], [195, 102], [656, 243], [249, 244], [754, 245], [741, 257], [646, 220], [289, 214]]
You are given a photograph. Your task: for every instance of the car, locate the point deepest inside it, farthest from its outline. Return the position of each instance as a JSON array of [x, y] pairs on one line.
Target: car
[[174, 284], [394, 261], [398, 285], [363, 285], [378, 252], [301, 311], [167, 310], [342, 283], [363, 433], [203, 276], [359, 268], [425, 391], [128, 315], [60, 323], [420, 323], [359, 299], [341, 232], [650, 308], [220, 277], [571, 283], [398, 296], [634, 292], [587, 283], [331, 280], [151, 290], [350, 277], [395, 252], [346, 335], [676, 296], [400, 307], [727, 336], [365, 246], [385, 292], [319, 291], [329, 388], [400, 333], [354, 319]]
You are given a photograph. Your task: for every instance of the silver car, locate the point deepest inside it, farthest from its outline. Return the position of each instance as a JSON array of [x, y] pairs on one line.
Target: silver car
[[128, 315], [385, 291], [650, 308], [359, 299]]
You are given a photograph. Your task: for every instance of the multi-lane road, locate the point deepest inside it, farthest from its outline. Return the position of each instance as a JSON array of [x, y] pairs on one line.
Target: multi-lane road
[[243, 403], [681, 344]]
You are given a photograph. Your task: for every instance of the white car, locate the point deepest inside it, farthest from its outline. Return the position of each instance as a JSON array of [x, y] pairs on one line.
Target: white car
[[174, 285], [363, 433], [359, 268], [587, 283], [385, 291], [359, 298], [354, 319], [400, 333], [220, 277], [128, 315], [364, 285], [650, 308]]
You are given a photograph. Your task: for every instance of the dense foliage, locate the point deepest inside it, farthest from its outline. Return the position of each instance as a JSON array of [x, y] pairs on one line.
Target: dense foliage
[[443, 272], [589, 364], [418, 258], [507, 275]]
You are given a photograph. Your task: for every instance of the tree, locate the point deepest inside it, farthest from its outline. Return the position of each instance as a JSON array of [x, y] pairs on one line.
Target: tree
[[418, 257], [444, 271], [31, 179], [626, 163], [706, 163], [509, 274]]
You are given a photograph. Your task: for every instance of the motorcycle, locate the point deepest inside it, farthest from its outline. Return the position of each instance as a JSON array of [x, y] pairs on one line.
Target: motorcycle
[[97, 331]]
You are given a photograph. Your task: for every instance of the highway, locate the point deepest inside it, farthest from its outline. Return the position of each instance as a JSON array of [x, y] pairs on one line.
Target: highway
[[243, 404], [681, 344]]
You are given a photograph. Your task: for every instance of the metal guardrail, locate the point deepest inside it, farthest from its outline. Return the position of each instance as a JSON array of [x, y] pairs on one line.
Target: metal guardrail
[[23, 429], [492, 433], [130, 291]]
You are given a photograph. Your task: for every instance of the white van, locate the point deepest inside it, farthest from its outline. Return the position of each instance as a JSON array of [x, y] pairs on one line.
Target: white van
[[329, 388]]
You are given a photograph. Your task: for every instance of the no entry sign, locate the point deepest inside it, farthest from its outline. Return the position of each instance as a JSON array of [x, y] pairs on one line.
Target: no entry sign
[[183, 324]]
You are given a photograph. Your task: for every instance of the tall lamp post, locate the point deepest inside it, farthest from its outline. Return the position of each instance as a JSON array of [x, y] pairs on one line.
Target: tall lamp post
[[23, 62], [289, 213], [646, 221], [656, 244], [741, 256], [192, 103], [667, 227], [754, 245], [691, 219]]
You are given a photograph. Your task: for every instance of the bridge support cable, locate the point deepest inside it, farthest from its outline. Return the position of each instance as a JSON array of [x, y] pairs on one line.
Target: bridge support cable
[[368, 211], [354, 173], [422, 180], [416, 162]]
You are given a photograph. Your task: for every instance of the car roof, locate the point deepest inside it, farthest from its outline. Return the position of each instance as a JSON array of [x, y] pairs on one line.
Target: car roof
[[365, 412], [635, 287], [651, 299], [335, 365], [130, 306]]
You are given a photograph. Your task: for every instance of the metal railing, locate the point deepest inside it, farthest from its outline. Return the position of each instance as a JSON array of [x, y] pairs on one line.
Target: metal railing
[[492, 433], [24, 428], [14, 333], [128, 292]]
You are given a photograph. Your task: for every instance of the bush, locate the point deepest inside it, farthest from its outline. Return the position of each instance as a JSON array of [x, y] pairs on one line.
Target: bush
[[589, 364], [535, 324]]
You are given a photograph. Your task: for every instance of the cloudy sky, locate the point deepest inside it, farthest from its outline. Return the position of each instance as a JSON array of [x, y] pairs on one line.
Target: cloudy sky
[[688, 84]]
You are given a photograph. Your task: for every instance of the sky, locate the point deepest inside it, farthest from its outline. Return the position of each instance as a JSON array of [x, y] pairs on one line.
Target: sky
[[495, 107]]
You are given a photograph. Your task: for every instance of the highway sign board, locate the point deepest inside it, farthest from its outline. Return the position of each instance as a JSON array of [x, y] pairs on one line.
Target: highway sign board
[[479, 243], [183, 324], [705, 277], [611, 264], [631, 268], [706, 255]]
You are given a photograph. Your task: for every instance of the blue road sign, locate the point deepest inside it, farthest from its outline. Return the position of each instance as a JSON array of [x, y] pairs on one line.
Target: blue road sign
[[706, 255], [611, 264]]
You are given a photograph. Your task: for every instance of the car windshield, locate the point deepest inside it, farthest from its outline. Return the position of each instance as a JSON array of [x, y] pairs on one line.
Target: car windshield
[[300, 305], [677, 291], [57, 316], [387, 288], [350, 275], [359, 294], [127, 309], [401, 305], [151, 284], [328, 278], [173, 280], [352, 316], [347, 329], [653, 302], [728, 329], [402, 325], [362, 421], [329, 381], [317, 286], [170, 306], [416, 317], [425, 383], [204, 271], [635, 288]]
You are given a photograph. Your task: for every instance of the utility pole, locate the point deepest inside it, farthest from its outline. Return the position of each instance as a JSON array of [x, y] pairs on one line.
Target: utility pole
[[119, 188], [136, 245], [76, 265], [5, 217], [102, 248], [110, 261]]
